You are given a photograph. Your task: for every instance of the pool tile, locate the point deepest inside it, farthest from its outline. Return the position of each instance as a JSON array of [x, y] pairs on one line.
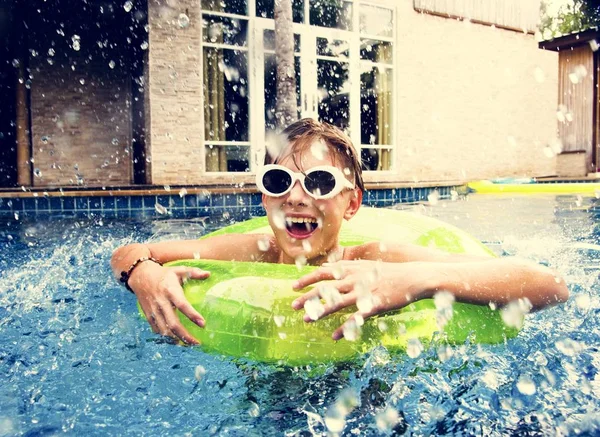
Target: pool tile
[[95, 203], [29, 204], [175, 201], [56, 204], [81, 203], [108, 203], [42, 204], [122, 203], [136, 202]]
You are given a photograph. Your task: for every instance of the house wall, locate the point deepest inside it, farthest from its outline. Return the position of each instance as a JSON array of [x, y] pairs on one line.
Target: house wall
[[175, 93], [474, 101], [81, 132]]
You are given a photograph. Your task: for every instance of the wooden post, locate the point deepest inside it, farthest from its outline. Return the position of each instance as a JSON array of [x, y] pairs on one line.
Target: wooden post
[[23, 146]]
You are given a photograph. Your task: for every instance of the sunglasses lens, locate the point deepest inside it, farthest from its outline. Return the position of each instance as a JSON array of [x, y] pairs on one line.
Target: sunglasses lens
[[320, 182], [276, 181]]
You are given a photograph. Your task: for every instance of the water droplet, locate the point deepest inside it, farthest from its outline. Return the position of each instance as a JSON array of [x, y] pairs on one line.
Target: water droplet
[[414, 348], [364, 302], [300, 261], [196, 255], [263, 244], [319, 150], [82, 81], [278, 219], [306, 246], [525, 385], [352, 328], [167, 187], [16, 63], [443, 301], [128, 6], [144, 45], [51, 52], [330, 294], [111, 64], [386, 420], [279, 320], [335, 422], [199, 373], [433, 197], [37, 173], [45, 139], [254, 410], [568, 347], [314, 308], [160, 209], [513, 314], [76, 42], [16, 216], [583, 301], [183, 21], [115, 142], [594, 45], [282, 335]]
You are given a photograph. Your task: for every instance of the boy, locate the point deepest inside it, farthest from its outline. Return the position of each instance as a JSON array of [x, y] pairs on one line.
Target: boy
[[309, 187]]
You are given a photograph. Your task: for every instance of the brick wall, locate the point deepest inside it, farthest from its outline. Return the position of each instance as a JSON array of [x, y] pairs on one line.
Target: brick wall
[[175, 92], [81, 120]]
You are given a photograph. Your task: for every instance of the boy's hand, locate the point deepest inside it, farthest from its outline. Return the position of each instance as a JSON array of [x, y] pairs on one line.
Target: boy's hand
[[159, 291], [374, 287]]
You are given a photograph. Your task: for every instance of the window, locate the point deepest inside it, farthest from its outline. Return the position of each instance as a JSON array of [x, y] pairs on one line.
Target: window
[[344, 61]]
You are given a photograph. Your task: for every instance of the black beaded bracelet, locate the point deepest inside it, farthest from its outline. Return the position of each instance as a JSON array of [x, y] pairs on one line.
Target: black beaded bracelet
[[125, 275]]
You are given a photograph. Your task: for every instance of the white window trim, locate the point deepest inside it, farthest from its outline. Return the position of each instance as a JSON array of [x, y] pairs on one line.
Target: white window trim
[[309, 98]]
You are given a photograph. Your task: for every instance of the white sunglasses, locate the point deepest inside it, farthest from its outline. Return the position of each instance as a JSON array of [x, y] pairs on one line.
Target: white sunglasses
[[322, 182]]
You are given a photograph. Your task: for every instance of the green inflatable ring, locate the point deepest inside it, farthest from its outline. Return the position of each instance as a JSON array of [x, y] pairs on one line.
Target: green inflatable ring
[[247, 306]]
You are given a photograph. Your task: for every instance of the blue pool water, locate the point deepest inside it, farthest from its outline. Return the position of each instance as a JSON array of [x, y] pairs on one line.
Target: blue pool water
[[76, 359]]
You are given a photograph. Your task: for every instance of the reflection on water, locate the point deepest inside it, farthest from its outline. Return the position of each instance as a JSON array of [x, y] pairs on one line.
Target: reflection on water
[[75, 357]]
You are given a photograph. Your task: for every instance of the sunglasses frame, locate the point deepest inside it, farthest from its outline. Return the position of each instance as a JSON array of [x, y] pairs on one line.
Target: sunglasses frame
[[340, 180]]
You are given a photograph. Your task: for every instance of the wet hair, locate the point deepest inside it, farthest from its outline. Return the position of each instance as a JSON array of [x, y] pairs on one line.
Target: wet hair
[[302, 134]]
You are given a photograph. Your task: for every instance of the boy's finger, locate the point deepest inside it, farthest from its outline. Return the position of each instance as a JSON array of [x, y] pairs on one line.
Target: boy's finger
[[298, 304], [318, 275], [177, 329], [344, 301], [188, 310], [338, 334], [190, 273]]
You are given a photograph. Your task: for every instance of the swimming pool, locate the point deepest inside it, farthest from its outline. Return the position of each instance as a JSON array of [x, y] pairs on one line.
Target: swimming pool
[[76, 359]]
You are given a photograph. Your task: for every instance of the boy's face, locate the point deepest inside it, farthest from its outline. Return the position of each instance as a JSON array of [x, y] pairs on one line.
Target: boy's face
[[308, 228]]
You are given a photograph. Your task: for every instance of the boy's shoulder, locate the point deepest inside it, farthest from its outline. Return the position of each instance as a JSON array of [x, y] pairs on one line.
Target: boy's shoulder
[[383, 251]]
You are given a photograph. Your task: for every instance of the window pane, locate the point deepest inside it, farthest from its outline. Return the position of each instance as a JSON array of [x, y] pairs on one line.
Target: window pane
[[334, 88], [377, 21], [222, 30], [376, 51], [265, 8], [230, 6], [271, 90], [227, 158], [336, 14], [333, 47], [376, 159], [269, 41], [376, 106], [225, 95]]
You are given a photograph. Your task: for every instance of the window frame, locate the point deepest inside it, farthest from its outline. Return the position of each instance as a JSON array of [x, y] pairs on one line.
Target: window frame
[[309, 89]]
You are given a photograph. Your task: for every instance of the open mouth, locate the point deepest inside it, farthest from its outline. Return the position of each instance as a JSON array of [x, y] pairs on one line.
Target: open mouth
[[301, 227]]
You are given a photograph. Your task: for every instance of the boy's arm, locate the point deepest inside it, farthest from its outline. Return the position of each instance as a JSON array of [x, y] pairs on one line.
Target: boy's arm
[[387, 286], [159, 289]]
